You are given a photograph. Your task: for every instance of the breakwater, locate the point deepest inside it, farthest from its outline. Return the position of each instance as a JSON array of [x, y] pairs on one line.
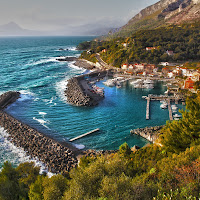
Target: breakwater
[[8, 98], [56, 156], [149, 133], [78, 91]]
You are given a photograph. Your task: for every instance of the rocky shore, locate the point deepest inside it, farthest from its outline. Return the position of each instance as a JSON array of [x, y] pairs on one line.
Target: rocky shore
[[85, 64], [78, 92], [149, 133]]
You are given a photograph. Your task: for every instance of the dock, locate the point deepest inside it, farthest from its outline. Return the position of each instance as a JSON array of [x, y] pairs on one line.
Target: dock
[[147, 108], [83, 135], [170, 109], [166, 98]]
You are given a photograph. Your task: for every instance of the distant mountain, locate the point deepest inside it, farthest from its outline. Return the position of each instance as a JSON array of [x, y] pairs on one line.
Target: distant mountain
[[13, 29], [162, 13]]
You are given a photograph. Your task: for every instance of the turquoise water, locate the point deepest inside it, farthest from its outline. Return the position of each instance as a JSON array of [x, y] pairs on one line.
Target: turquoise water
[[29, 65]]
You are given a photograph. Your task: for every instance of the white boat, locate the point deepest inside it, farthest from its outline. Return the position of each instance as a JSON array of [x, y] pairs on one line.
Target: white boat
[[174, 107], [135, 82], [163, 105], [109, 83], [177, 115], [148, 86], [176, 118], [148, 81]]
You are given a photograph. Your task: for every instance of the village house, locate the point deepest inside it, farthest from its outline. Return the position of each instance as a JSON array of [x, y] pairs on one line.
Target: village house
[[186, 72], [125, 45], [195, 76], [139, 67], [164, 64], [170, 74], [104, 51], [165, 71], [189, 83], [170, 53], [150, 48], [124, 66]]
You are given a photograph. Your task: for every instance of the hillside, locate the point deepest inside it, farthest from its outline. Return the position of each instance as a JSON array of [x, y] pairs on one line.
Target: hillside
[[182, 40], [160, 14]]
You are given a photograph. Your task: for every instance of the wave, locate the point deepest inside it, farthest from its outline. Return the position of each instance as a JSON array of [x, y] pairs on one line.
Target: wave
[[72, 65], [67, 49], [42, 61], [17, 155], [25, 95]]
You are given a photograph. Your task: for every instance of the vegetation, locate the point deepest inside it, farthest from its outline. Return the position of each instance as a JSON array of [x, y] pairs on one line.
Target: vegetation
[[183, 40], [170, 170]]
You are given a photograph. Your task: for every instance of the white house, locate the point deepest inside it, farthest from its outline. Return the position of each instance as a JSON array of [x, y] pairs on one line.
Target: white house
[[164, 64], [124, 66]]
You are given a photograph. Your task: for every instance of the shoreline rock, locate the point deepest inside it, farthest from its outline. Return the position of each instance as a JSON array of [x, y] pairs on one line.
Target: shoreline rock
[[8, 98], [149, 133], [69, 59]]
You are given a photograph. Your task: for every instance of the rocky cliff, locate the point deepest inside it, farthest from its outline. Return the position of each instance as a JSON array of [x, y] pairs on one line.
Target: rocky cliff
[[161, 13]]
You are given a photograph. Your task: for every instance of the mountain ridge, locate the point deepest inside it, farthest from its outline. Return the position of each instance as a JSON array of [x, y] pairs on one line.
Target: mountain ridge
[[160, 14]]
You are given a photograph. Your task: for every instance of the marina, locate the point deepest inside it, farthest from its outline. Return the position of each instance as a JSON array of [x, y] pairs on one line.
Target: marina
[[166, 103]]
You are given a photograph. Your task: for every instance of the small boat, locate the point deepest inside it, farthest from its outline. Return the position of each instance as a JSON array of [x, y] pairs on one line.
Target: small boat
[[174, 107], [163, 105], [176, 118], [177, 115], [148, 86], [109, 83], [148, 81]]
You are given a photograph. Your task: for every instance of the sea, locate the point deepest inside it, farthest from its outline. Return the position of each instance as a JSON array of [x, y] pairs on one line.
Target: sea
[[29, 65]]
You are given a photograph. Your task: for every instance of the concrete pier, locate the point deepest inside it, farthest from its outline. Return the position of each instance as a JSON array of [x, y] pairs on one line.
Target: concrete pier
[[170, 109], [83, 135], [148, 108]]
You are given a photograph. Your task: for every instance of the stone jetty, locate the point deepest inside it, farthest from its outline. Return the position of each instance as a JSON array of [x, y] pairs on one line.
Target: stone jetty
[[149, 133], [58, 157], [78, 92], [8, 98]]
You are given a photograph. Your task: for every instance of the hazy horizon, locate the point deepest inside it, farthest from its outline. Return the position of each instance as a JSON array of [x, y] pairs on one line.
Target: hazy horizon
[[67, 17]]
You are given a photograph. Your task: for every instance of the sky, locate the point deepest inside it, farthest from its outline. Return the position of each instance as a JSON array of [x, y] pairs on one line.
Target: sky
[[47, 15]]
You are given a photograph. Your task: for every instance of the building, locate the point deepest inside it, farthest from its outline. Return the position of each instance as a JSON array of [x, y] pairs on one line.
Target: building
[[164, 64], [189, 83], [170, 53], [104, 51], [124, 66], [195, 76], [150, 48]]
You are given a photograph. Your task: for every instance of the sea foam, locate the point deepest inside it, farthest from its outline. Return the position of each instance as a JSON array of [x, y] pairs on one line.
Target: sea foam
[[16, 155]]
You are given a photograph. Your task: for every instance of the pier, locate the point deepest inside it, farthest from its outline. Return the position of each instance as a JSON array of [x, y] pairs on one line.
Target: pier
[[170, 109], [148, 107], [166, 98], [83, 135]]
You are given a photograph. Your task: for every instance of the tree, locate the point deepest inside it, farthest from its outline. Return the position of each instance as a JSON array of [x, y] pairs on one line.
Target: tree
[[9, 187]]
